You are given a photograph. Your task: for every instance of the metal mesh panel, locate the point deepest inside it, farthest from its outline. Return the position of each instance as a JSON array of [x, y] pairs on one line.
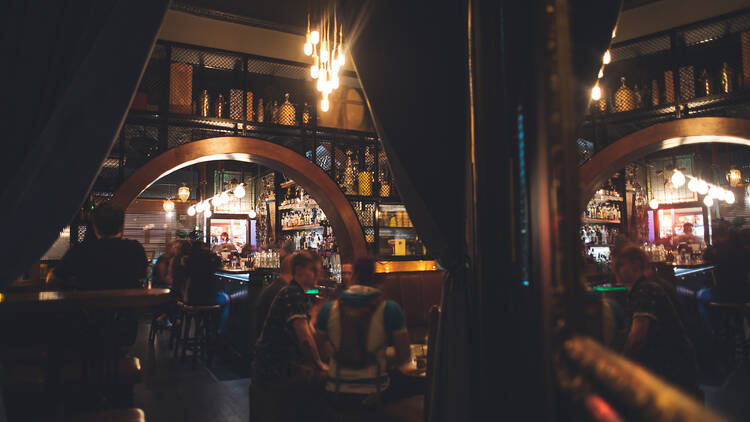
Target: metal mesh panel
[[181, 80], [585, 150], [641, 48], [370, 237], [141, 144], [178, 135], [151, 90], [687, 83], [345, 157], [705, 33], [365, 212], [387, 188], [283, 70], [323, 155]]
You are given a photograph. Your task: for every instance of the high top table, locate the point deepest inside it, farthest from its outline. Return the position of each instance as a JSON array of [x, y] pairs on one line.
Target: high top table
[[62, 301]]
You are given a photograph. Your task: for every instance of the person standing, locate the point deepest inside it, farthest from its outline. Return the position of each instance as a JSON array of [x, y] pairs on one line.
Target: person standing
[[657, 337], [346, 275], [267, 295], [106, 262], [285, 348]]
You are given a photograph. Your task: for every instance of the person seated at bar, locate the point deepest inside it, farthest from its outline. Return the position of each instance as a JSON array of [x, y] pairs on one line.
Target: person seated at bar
[[224, 245], [160, 271], [286, 350], [106, 262], [359, 326], [346, 275], [267, 295], [657, 337], [201, 285]]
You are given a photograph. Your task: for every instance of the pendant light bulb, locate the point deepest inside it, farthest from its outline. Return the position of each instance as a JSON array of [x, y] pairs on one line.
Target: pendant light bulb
[[308, 49], [224, 198], [199, 207], [324, 55], [654, 204], [708, 201], [715, 192], [321, 84], [315, 37], [678, 179], [693, 184], [729, 198], [252, 214], [216, 201], [314, 72], [239, 191], [596, 93], [335, 81], [702, 187], [601, 73], [168, 205], [208, 213], [607, 58], [324, 104], [191, 210]]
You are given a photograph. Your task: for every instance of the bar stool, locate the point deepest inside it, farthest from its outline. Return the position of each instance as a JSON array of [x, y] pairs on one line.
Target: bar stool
[[204, 321], [737, 313]]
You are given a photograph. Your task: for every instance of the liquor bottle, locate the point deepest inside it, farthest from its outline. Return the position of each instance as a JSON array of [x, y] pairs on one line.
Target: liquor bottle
[[349, 178], [204, 102], [624, 97], [727, 78], [220, 107], [260, 114], [705, 84], [654, 92], [287, 113], [638, 97], [306, 115], [275, 112]]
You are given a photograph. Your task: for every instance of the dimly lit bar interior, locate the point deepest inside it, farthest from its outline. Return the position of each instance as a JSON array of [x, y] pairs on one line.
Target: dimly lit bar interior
[[360, 210]]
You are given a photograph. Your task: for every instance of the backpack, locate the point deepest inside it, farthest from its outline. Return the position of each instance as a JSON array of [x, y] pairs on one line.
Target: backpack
[[355, 328]]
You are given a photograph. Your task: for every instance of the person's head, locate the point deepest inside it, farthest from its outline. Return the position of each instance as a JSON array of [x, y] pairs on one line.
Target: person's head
[[630, 264], [224, 237], [285, 272], [108, 221], [687, 228], [346, 274], [364, 271], [303, 270]]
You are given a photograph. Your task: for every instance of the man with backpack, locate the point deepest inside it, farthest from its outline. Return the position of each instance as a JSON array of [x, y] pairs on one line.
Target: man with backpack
[[360, 325]]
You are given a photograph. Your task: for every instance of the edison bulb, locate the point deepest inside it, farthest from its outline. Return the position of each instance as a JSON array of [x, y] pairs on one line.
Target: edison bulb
[[341, 59], [678, 179], [693, 184], [199, 207], [216, 201], [654, 204], [702, 187], [708, 201], [601, 74], [324, 104], [208, 213], [729, 198], [224, 198], [335, 81], [314, 72], [715, 192], [308, 49], [315, 37], [191, 211], [320, 85], [168, 205], [596, 93], [239, 191], [324, 55], [252, 214], [607, 58]]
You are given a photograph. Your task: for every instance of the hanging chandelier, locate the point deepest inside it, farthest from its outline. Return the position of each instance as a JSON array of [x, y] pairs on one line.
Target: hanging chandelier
[[734, 177], [325, 44], [183, 193]]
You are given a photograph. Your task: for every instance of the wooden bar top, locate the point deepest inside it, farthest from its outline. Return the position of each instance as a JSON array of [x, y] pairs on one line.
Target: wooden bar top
[[60, 301]]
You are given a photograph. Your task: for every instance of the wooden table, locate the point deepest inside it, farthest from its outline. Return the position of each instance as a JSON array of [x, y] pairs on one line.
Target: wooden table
[[62, 301]]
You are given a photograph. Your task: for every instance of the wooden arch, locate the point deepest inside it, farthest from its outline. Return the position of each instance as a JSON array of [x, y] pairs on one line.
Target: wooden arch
[[320, 186], [656, 138]]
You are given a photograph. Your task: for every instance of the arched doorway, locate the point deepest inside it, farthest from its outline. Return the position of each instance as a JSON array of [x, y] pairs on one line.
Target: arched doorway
[[320, 186], [656, 138]]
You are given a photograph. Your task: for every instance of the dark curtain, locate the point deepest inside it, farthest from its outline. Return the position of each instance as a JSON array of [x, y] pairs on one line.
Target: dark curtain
[[70, 70], [455, 159]]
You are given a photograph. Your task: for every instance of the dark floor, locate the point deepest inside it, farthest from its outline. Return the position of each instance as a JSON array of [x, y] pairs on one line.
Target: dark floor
[[175, 391]]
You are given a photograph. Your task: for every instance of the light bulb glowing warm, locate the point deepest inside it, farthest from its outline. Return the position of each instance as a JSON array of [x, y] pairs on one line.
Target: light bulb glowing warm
[[693, 184], [601, 74], [183, 193], [678, 179], [252, 214], [191, 211], [324, 56], [607, 58], [321, 85], [239, 191], [715, 192], [199, 207], [729, 198], [335, 81], [702, 187], [224, 198], [168, 205], [654, 204], [708, 201], [314, 72], [308, 49], [208, 213], [324, 104], [596, 93], [216, 201], [315, 37]]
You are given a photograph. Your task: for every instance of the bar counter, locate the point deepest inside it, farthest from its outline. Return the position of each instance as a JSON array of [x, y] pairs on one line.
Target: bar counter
[[63, 301]]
